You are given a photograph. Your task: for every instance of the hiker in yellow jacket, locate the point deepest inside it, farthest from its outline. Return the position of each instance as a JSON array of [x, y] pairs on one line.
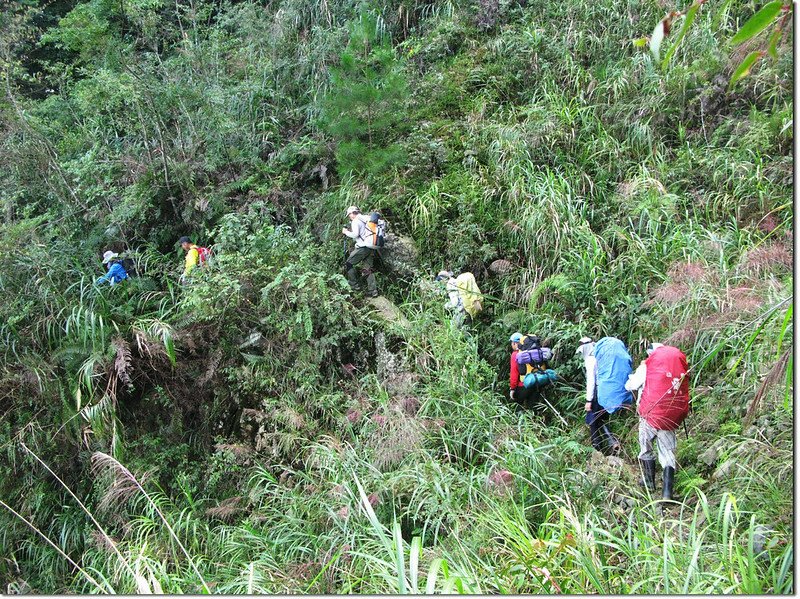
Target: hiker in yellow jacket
[[195, 256], [465, 298]]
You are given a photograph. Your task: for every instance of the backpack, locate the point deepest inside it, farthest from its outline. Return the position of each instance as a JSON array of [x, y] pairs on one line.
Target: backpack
[[130, 267], [539, 378], [537, 357], [471, 296], [613, 368], [204, 255], [664, 402], [531, 353], [377, 227]]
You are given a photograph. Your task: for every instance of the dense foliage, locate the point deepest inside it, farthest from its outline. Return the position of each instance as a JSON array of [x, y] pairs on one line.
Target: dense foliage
[[263, 428]]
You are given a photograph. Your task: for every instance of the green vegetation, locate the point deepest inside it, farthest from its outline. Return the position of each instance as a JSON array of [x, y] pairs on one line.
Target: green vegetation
[[262, 428]]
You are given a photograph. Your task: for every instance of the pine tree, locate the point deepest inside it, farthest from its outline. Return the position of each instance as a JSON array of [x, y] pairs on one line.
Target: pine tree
[[365, 102]]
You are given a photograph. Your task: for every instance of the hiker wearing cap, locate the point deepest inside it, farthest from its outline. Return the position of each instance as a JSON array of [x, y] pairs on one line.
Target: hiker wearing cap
[[464, 297], [596, 417], [517, 390], [363, 254], [116, 272], [663, 403]]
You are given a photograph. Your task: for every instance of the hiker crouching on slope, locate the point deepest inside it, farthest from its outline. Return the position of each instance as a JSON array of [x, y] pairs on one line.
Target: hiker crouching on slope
[[596, 415], [663, 404], [363, 254], [116, 272], [464, 297]]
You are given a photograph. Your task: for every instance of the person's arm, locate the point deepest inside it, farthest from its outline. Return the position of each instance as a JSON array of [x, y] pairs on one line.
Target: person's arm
[[636, 379], [591, 382], [104, 279], [354, 229], [192, 257], [513, 382]]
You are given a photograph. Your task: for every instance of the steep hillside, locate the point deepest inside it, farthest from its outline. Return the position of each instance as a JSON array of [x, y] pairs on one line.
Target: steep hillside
[[261, 427]]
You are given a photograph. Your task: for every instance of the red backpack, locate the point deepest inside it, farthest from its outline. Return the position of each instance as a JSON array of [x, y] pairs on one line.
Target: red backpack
[[203, 254], [665, 398]]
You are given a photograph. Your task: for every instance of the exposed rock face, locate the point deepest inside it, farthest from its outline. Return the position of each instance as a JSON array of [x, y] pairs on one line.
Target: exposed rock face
[[399, 256]]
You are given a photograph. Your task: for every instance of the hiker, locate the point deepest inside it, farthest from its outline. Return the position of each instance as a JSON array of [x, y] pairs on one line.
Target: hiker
[[364, 253], [116, 271], [533, 362], [517, 391], [465, 298], [605, 362], [663, 403], [195, 256]]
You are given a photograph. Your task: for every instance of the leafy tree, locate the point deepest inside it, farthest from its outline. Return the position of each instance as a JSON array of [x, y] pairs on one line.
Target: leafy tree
[[365, 101]]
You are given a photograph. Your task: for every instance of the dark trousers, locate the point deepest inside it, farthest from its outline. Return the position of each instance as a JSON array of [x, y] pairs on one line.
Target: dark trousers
[[364, 257], [596, 421]]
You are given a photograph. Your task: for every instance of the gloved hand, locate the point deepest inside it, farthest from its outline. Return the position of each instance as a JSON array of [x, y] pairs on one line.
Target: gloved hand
[[587, 406], [511, 394]]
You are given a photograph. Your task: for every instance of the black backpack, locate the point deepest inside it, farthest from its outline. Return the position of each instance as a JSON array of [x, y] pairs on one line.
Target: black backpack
[[529, 342], [130, 267]]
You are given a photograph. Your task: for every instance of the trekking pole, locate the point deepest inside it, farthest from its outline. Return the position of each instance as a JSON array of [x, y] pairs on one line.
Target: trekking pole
[[685, 430]]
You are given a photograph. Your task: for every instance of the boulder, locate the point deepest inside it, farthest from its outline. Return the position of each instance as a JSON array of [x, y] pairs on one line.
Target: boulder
[[399, 256]]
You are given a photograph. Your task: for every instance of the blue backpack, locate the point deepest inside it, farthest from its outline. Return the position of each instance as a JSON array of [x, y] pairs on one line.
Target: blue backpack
[[613, 368]]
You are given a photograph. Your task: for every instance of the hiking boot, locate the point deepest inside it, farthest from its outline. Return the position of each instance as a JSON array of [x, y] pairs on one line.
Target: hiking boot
[[669, 477], [648, 479], [373, 294]]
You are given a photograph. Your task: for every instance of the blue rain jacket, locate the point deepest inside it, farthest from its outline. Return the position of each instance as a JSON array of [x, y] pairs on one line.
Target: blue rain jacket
[[115, 274], [614, 365]]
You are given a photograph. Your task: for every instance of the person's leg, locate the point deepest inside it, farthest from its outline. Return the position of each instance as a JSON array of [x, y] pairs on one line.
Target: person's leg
[[521, 395], [353, 260], [613, 444], [647, 460], [368, 265], [667, 442], [596, 421]]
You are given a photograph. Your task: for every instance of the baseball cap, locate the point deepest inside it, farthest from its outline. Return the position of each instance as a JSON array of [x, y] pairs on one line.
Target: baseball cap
[[350, 210], [515, 338]]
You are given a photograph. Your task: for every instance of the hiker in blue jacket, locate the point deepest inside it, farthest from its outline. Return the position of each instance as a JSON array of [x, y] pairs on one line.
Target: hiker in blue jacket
[[598, 408], [116, 272]]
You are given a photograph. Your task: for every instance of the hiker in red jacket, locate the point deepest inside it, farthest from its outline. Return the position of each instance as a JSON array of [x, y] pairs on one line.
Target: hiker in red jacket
[[663, 404], [517, 391]]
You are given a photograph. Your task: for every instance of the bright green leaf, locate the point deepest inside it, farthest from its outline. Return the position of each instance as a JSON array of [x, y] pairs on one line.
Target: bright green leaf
[[743, 70], [773, 42], [758, 22], [640, 42], [691, 14]]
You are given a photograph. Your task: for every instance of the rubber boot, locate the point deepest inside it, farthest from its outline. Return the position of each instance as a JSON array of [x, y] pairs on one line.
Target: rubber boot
[[669, 476], [648, 479], [613, 443]]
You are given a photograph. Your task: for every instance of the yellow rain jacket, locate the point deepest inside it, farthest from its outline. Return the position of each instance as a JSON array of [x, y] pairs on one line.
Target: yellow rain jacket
[[192, 259], [471, 296]]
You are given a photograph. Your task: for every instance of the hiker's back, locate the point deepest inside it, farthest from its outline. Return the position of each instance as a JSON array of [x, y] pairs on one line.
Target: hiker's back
[[613, 369], [665, 397], [471, 295]]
